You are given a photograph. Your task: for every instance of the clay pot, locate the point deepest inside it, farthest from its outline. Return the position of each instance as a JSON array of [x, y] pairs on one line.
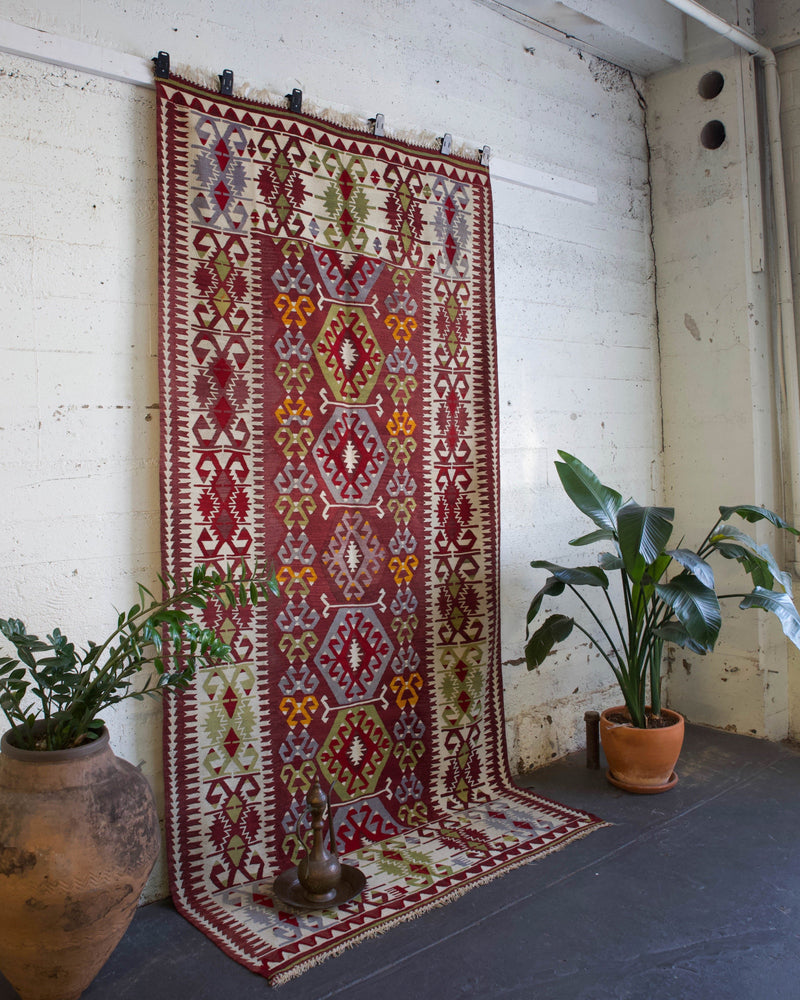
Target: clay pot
[[78, 838], [641, 760]]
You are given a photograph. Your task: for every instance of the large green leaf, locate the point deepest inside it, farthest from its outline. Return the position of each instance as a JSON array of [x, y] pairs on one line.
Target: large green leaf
[[757, 560], [642, 592], [589, 495], [695, 605], [575, 576], [552, 588], [555, 629], [601, 535], [695, 564], [759, 573], [610, 561], [752, 514], [655, 570], [780, 605], [675, 632], [643, 534]]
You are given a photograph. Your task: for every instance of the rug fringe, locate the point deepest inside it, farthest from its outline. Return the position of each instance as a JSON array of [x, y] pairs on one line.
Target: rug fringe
[[376, 931], [325, 113]]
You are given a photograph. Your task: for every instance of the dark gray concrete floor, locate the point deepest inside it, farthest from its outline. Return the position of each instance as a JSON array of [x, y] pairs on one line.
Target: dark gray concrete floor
[[689, 895]]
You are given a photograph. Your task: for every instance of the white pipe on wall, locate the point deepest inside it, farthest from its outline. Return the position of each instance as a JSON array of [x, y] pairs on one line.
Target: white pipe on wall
[[786, 335]]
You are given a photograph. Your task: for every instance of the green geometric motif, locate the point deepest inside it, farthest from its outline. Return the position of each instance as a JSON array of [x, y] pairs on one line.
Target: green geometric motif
[[399, 862], [346, 203], [461, 684], [348, 354], [356, 751]]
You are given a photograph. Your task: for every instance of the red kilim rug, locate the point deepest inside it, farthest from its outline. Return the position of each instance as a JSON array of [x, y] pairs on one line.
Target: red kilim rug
[[328, 403]]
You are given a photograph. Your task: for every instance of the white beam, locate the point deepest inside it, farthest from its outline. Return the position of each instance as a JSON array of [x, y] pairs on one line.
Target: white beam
[[31, 43], [515, 173]]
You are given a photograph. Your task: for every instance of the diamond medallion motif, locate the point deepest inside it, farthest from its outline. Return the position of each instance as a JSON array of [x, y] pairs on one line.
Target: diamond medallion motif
[[354, 555], [348, 354], [350, 456], [355, 752], [354, 654]]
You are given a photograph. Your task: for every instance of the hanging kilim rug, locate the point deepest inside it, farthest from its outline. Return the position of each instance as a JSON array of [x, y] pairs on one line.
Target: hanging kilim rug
[[328, 395]]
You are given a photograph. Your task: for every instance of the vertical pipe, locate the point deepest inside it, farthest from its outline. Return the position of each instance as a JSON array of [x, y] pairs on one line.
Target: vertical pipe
[[786, 337]]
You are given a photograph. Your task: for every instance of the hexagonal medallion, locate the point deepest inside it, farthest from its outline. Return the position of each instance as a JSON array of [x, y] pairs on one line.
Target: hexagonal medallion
[[354, 654], [350, 456], [355, 752], [348, 354]]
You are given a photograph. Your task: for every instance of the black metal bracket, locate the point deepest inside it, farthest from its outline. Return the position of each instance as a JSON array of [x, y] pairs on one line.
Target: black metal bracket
[[295, 100], [447, 144], [161, 62], [226, 83]]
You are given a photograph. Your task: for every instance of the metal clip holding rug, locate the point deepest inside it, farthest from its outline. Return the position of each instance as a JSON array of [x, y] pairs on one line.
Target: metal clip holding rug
[[328, 395]]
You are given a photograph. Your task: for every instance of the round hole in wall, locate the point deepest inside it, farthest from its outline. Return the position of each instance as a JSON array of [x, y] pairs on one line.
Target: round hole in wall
[[710, 85], [713, 134]]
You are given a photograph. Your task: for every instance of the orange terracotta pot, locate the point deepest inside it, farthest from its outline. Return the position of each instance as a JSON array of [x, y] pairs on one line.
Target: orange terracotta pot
[[78, 838], [641, 760]]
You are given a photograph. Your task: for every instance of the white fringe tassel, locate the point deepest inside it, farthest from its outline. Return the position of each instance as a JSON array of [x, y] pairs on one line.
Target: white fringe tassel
[[262, 95]]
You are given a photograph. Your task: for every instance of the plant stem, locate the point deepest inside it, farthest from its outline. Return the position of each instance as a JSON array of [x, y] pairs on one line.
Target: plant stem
[[599, 648], [701, 549], [598, 622]]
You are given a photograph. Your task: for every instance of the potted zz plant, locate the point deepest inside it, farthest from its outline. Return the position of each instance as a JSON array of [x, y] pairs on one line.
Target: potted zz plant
[[79, 831], [665, 595]]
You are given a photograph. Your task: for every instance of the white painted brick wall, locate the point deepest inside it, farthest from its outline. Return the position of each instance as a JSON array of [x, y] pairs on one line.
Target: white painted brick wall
[[78, 378]]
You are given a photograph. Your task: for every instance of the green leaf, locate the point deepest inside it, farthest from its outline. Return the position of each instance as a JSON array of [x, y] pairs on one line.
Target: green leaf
[[780, 605], [555, 629], [756, 559], [695, 605], [654, 571], [601, 535], [552, 588], [643, 534], [675, 633], [26, 656], [695, 564], [642, 591], [589, 495], [752, 514], [610, 561], [574, 576]]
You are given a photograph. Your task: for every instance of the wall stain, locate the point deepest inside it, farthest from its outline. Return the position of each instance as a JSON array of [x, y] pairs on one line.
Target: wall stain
[[691, 326]]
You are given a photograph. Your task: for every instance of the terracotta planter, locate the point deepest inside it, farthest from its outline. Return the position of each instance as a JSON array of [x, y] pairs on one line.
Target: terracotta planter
[[641, 760], [78, 838]]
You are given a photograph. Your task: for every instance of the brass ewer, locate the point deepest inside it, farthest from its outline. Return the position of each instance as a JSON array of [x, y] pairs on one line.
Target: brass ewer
[[319, 872], [320, 880]]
